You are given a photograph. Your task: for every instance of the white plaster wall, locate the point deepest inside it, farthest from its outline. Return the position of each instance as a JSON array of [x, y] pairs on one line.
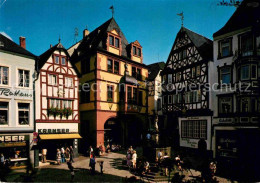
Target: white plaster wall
[[15, 62]]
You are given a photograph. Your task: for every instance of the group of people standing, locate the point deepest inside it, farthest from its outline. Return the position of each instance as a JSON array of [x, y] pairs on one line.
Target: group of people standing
[[131, 157], [65, 155]]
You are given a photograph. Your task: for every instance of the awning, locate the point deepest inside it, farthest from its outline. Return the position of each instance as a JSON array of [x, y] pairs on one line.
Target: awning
[[59, 136]]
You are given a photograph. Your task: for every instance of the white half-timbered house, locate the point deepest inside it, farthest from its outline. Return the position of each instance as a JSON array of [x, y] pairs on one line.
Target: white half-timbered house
[[57, 112], [185, 96]]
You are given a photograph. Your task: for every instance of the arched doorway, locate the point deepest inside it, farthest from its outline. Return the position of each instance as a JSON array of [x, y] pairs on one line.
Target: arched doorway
[[112, 132]]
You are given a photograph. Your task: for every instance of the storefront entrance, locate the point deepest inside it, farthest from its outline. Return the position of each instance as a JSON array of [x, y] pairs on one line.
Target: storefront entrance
[[112, 132], [53, 145]]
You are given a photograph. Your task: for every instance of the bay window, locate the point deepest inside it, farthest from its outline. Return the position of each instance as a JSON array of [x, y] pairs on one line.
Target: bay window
[[24, 78], [4, 113], [244, 72], [246, 46], [23, 113], [4, 75]]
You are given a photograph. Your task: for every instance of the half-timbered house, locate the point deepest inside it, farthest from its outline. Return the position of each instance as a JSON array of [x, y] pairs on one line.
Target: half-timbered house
[[113, 104], [185, 96], [56, 101]]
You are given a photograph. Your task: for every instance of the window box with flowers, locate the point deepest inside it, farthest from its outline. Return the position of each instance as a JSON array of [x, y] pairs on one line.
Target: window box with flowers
[[67, 112]]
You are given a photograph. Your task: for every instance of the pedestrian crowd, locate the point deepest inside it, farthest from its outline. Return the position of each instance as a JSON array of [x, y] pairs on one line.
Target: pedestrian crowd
[[65, 155]]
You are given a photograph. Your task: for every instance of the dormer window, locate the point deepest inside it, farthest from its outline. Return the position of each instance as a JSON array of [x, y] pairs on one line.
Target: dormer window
[[114, 41], [137, 51]]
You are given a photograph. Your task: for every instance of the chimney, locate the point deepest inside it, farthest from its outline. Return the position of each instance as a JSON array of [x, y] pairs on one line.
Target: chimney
[[85, 33], [50, 45], [22, 42]]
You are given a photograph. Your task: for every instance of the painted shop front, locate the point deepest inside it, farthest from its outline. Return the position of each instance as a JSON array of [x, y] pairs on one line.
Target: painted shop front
[[53, 136], [15, 148]]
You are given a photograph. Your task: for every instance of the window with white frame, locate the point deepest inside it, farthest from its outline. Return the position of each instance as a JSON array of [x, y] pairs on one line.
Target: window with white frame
[[23, 113], [69, 82], [58, 104], [4, 75], [246, 45], [24, 78], [4, 113], [196, 129], [52, 79], [225, 48]]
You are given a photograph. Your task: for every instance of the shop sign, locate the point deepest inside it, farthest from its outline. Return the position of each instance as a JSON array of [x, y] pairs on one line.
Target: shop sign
[[54, 131], [12, 138], [16, 93], [12, 144], [225, 120]]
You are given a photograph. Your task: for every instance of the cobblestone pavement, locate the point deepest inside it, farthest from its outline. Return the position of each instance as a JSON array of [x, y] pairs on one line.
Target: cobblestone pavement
[[113, 170]]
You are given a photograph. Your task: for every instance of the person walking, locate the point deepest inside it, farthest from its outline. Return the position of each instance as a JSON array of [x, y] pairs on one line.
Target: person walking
[[71, 168], [67, 154], [2, 161], [128, 158], [71, 154], [134, 158], [91, 151], [166, 163], [58, 157], [62, 155], [92, 164], [44, 154]]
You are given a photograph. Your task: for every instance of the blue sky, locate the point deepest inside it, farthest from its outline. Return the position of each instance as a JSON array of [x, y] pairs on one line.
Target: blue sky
[[153, 23]]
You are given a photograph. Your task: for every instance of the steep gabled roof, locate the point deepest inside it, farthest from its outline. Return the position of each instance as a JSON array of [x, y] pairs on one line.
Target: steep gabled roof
[[97, 39], [203, 44], [154, 69], [246, 15], [42, 59], [8, 45]]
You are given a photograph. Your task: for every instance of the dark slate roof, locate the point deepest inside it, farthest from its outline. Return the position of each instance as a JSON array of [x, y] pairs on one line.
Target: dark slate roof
[[154, 69], [42, 59], [203, 44], [97, 39], [247, 14], [8, 45]]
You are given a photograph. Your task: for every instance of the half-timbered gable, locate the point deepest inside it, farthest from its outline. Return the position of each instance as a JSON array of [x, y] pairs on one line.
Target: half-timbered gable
[[185, 95], [187, 67]]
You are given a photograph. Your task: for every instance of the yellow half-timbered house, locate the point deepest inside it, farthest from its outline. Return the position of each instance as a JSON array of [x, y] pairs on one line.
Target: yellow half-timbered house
[[113, 99]]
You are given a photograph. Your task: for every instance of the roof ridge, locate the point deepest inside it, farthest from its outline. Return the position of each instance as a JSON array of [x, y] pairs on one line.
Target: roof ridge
[[197, 34]]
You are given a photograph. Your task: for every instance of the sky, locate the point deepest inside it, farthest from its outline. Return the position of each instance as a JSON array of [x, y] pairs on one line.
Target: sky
[[154, 23]]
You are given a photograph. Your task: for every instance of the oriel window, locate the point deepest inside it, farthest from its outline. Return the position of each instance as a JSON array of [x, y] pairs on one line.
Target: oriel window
[[246, 45], [24, 78], [23, 112], [4, 113]]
